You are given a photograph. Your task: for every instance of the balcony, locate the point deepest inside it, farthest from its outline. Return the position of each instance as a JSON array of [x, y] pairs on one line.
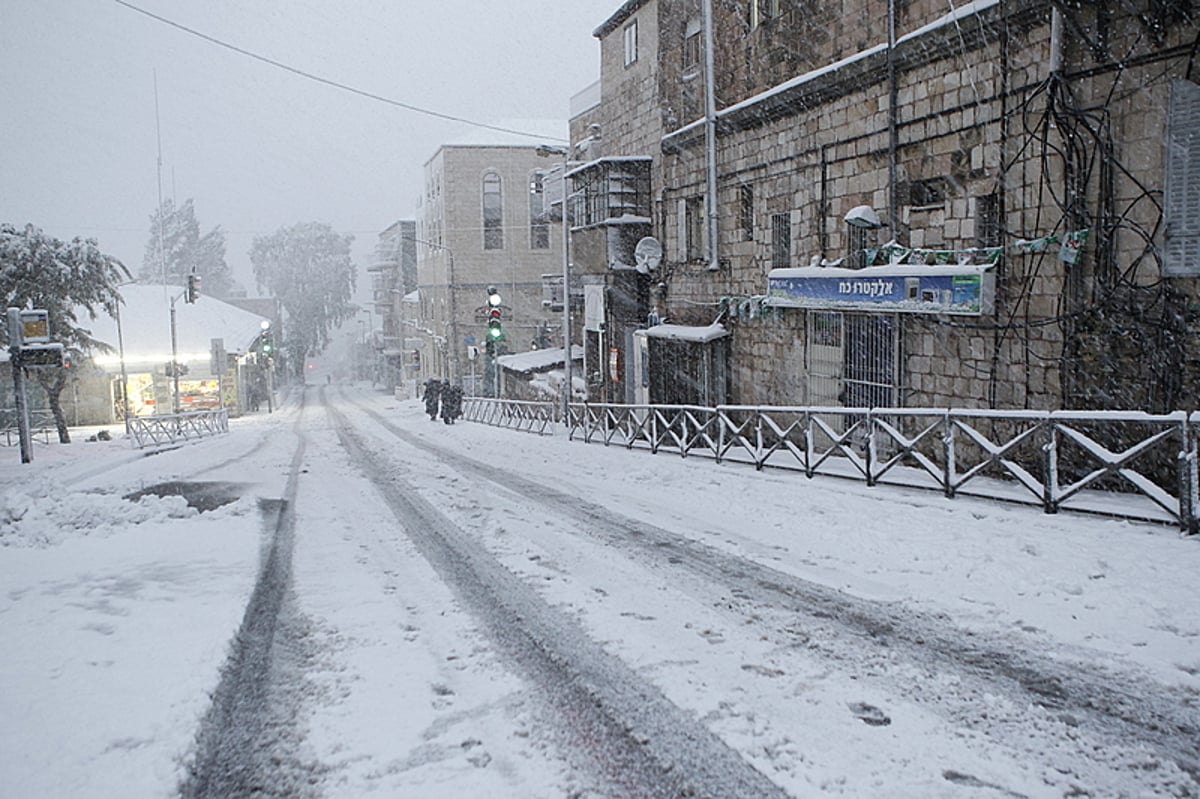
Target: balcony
[[610, 191]]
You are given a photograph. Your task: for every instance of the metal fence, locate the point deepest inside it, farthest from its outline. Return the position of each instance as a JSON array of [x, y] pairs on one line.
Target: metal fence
[[1125, 464], [41, 426], [531, 417], [172, 428]]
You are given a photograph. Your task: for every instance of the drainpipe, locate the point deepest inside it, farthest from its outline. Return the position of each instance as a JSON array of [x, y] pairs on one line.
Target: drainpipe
[[893, 123], [710, 137]]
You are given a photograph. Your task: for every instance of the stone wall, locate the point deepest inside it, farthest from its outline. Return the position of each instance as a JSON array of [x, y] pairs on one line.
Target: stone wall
[[991, 150]]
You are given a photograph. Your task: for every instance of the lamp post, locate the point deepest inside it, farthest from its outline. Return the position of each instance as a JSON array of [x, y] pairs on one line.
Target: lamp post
[[269, 354], [124, 376], [455, 373], [368, 349], [362, 349], [545, 150]]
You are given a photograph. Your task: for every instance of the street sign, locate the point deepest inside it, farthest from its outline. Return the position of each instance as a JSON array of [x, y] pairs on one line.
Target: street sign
[[42, 356], [35, 326], [219, 360]]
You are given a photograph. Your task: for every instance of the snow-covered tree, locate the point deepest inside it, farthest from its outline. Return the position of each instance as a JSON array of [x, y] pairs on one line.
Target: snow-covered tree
[[307, 267], [184, 250], [40, 271]]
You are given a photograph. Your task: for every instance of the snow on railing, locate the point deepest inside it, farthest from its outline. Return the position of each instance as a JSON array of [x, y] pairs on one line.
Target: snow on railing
[[1126, 464], [173, 428], [1120, 463], [531, 417], [41, 426]]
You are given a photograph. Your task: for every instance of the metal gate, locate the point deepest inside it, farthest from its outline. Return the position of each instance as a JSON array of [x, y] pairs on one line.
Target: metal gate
[[852, 359]]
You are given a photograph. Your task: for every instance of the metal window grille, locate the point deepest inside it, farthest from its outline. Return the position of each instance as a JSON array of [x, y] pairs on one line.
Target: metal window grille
[[987, 220], [781, 241], [539, 222], [746, 211]]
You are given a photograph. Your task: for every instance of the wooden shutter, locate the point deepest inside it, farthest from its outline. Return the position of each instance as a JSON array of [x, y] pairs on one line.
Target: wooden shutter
[[1181, 255]]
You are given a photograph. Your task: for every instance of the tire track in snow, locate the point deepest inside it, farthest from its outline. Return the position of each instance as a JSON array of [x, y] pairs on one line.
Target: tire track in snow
[[646, 745], [247, 744], [1125, 710]]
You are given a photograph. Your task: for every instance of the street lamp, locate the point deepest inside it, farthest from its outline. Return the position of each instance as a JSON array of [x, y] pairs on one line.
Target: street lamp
[[124, 376], [369, 361], [267, 348], [546, 150]]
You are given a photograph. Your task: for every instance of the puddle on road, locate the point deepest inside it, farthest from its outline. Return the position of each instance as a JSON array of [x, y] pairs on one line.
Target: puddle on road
[[203, 496]]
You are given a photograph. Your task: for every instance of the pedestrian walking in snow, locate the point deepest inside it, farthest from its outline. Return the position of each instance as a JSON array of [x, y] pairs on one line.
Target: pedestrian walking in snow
[[451, 403], [433, 393]]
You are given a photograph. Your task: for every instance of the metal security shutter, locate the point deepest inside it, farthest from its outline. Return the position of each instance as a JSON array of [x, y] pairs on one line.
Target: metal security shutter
[[1181, 256]]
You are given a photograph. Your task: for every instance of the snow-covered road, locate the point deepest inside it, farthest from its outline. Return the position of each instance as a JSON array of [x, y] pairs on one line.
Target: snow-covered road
[[479, 612]]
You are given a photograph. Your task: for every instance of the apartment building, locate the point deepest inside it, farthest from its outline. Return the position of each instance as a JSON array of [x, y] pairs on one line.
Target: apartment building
[[483, 223], [990, 204]]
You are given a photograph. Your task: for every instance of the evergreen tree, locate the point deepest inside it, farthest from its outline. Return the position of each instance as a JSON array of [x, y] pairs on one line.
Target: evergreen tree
[[307, 267], [40, 271], [184, 250]]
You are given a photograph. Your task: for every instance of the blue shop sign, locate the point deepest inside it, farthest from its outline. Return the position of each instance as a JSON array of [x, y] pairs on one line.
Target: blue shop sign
[[963, 290]]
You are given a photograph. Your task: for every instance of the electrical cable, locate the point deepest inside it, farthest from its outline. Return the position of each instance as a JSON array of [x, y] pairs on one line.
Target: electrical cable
[[332, 83]]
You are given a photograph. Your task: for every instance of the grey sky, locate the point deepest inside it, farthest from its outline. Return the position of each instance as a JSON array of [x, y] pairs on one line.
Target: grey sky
[[255, 146]]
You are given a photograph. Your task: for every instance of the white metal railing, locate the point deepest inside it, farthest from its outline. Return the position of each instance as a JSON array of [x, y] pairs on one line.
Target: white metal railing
[[41, 426], [1127, 464], [173, 428], [532, 417]]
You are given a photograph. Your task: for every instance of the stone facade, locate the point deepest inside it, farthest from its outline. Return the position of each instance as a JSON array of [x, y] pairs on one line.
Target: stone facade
[[455, 265], [983, 146]]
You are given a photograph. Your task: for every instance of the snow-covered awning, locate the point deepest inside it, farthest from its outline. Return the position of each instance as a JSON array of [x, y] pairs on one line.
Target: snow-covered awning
[[538, 360], [694, 333], [146, 326]]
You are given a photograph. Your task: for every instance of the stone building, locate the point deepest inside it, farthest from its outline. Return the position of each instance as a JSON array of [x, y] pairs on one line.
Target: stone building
[[393, 277], [483, 223], [988, 205]]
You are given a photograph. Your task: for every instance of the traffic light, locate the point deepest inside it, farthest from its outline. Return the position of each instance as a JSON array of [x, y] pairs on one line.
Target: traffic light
[[268, 344], [193, 287], [495, 330]]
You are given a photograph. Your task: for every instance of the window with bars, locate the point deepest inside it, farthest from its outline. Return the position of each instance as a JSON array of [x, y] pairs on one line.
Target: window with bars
[[987, 220], [539, 225], [693, 228], [693, 47], [858, 238], [746, 211], [781, 241]]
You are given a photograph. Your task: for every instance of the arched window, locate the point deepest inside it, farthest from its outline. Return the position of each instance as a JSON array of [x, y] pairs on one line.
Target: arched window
[[493, 213], [539, 224]]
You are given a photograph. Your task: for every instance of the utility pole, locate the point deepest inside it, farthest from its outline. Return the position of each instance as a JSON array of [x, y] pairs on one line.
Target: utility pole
[[14, 356], [710, 140]]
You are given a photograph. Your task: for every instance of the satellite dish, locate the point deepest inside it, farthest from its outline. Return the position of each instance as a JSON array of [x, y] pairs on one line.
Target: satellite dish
[[647, 255]]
